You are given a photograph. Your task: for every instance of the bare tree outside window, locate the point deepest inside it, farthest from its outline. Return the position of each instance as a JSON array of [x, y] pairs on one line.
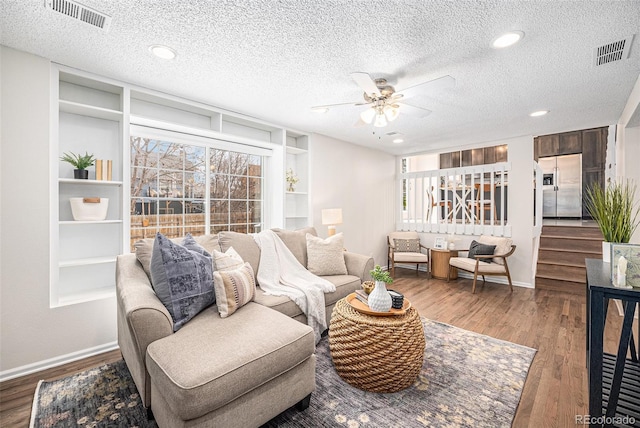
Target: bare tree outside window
[[169, 189]]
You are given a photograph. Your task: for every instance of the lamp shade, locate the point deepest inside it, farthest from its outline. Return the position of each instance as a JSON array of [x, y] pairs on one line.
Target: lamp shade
[[381, 121], [332, 216], [368, 115]]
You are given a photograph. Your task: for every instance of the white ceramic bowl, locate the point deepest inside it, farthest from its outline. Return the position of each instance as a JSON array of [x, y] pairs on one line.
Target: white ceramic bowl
[[89, 211]]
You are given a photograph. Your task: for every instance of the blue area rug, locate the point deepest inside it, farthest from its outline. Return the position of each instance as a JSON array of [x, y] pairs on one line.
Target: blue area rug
[[467, 380]]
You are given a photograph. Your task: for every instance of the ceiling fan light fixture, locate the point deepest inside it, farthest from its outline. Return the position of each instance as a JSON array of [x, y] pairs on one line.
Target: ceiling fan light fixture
[[381, 121], [391, 112], [507, 39], [398, 140], [368, 115]]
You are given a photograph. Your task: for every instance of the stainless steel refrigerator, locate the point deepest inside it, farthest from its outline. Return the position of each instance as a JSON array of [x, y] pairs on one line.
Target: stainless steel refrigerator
[[562, 186]]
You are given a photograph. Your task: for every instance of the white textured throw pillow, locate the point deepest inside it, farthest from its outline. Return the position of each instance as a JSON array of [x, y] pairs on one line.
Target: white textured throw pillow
[[326, 256], [229, 260]]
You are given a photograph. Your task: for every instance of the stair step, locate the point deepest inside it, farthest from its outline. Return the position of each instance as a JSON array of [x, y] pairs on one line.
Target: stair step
[[559, 285], [553, 262], [591, 246], [561, 272], [573, 231], [570, 258]]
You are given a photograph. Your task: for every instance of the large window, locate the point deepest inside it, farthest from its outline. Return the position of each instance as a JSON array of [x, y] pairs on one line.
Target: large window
[[179, 188]]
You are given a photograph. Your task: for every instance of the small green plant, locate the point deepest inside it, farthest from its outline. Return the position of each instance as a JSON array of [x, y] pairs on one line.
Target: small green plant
[[613, 209], [78, 161], [381, 275], [291, 177]]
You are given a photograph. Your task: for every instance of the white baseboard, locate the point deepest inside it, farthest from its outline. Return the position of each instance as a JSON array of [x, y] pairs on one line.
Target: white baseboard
[[56, 361]]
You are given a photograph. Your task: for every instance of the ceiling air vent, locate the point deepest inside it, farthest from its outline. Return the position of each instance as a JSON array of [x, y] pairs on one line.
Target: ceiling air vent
[[80, 12], [612, 52]]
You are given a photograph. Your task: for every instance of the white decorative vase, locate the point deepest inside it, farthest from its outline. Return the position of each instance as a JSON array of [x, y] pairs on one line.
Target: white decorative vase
[[606, 252], [380, 300]]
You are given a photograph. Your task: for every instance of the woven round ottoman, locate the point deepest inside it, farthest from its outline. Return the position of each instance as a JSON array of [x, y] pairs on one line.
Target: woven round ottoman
[[376, 353]]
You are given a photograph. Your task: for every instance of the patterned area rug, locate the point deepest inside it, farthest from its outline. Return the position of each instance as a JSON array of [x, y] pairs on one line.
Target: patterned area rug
[[467, 380]]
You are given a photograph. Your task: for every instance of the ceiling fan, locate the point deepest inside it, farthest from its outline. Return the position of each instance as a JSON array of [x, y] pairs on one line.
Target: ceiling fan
[[385, 104]]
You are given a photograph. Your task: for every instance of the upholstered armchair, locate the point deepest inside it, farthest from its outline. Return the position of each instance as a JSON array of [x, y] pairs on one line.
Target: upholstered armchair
[[405, 247], [487, 256]]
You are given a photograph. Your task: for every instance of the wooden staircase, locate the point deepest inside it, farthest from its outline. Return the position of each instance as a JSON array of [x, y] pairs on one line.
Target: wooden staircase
[[563, 249]]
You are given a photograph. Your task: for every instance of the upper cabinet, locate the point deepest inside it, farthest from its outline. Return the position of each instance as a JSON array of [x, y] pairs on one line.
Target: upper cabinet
[[567, 143], [472, 157]]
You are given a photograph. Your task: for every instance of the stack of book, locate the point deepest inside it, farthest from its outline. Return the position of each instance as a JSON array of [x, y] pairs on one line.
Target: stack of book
[[104, 168], [396, 298]]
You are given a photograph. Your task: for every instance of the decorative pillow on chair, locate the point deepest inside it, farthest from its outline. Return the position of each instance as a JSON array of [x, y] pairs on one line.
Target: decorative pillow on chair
[[182, 277], [326, 256], [406, 245], [234, 288], [477, 248]]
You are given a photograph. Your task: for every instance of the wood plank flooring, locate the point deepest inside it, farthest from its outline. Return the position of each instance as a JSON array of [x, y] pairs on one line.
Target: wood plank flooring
[[551, 322]]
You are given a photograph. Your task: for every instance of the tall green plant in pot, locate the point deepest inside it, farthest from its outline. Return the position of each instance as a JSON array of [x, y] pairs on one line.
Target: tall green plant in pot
[[615, 211]]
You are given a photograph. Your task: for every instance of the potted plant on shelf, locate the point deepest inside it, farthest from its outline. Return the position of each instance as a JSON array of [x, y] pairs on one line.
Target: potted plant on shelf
[[292, 179], [380, 300], [80, 163], [615, 212]]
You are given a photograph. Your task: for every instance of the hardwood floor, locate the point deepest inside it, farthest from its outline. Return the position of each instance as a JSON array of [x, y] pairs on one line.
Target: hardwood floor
[[550, 321]]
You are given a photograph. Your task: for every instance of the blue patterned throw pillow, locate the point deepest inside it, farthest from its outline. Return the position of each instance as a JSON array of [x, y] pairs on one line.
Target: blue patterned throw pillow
[[182, 277]]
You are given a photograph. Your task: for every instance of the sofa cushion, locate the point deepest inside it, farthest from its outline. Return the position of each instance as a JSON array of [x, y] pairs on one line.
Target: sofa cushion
[[296, 241], [476, 248], [406, 245], [182, 278], [503, 245], [234, 288], [228, 260], [144, 247], [250, 348], [326, 256], [345, 284], [244, 245]]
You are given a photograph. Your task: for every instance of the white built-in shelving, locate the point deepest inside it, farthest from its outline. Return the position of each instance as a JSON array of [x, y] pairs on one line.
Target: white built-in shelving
[[297, 203]]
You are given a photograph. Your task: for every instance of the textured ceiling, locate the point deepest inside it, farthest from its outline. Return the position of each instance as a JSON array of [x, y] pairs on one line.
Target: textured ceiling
[[275, 59]]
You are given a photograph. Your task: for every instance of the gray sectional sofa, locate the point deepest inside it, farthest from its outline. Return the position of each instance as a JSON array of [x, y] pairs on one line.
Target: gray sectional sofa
[[242, 370]]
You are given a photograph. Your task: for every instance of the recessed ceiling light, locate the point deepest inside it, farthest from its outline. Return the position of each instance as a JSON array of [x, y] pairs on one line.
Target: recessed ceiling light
[[538, 113], [398, 140], [507, 39], [161, 51], [319, 109]]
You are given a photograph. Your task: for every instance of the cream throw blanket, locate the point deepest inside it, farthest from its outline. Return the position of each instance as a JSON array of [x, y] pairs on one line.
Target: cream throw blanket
[[281, 274]]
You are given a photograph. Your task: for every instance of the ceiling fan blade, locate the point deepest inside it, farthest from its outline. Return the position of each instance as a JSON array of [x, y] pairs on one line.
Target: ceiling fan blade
[[333, 105], [435, 85], [410, 110], [365, 82]]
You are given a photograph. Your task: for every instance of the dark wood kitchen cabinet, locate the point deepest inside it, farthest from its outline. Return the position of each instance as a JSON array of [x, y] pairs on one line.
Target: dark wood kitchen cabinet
[[594, 158]]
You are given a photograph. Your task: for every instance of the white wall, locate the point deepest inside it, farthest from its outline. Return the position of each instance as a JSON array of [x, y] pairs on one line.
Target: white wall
[[628, 146], [361, 182], [31, 332], [520, 214]]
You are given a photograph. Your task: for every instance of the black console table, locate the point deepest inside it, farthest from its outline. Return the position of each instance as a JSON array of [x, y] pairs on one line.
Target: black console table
[[614, 380]]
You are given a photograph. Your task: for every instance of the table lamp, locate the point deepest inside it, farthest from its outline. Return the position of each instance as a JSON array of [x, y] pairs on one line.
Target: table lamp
[[331, 217]]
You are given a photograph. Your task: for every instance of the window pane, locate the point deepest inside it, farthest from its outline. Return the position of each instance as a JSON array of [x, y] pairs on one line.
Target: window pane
[[219, 161], [219, 212], [238, 187], [219, 186], [219, 228], [255, 166], [238, 163], [255, 211], [240, 228], [143, 152], [239, 212], [194, 158], [171, 156], [255, 188]]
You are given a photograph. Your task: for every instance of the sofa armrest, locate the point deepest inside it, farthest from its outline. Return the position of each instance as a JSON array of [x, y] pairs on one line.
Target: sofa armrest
[[142, 319], [359, 265]]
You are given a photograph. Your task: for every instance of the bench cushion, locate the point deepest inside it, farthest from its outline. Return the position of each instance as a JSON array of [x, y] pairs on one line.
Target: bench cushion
[[249, 349]]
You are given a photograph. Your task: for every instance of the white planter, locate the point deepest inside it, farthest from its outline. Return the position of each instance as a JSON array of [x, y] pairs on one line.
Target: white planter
[[380, 300], [89, 209], [606, 252]]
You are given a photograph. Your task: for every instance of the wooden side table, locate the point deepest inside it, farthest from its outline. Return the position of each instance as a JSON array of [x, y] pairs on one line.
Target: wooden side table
[[440, 263]]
